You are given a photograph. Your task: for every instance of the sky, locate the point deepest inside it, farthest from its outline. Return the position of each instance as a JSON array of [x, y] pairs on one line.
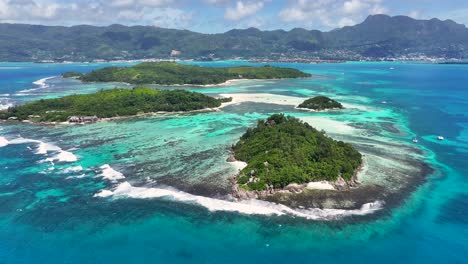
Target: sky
[[215, 16]]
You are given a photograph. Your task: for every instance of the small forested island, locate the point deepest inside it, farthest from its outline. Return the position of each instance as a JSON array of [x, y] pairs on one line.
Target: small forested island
[[171, 73], [320, 103], [72, 74], [283, 150], [110, 103]]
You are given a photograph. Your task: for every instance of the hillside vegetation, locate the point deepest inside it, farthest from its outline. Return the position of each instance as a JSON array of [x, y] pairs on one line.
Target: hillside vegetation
[[320, 103], [283, 150]]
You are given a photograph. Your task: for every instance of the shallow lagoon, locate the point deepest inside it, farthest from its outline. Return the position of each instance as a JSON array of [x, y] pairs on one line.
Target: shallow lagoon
[[49, 211]]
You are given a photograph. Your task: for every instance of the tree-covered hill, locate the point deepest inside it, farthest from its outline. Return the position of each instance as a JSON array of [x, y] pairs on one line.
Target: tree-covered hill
[[320, 103], [174, 73], [111, 103], [283, 150], [377, 36]]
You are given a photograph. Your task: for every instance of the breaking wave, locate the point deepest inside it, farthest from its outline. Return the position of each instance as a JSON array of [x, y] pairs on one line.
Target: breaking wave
[[4, 142], [249, 207], [110, 174], [41, 83], [43, 148], [5, 106]]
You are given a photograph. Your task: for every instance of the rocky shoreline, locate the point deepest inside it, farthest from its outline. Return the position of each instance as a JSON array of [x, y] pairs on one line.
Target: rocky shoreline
[[240, 193]]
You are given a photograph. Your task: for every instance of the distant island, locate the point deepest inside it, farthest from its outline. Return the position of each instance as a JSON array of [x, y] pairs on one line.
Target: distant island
[[72, 75], [282, 151], [110, 103], [171, 73], [320, 103]]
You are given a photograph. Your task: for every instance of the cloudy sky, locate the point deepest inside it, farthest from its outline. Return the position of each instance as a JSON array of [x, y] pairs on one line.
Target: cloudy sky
[[213, 16]]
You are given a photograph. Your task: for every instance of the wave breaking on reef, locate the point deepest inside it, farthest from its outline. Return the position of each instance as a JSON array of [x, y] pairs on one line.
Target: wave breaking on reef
[[110, 174], [5, 106], [41, 84], [43, 148], [3, 142], [248, 207]]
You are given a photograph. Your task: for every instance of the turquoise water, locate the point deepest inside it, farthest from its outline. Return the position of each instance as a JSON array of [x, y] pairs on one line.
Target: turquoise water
[[51, 178]]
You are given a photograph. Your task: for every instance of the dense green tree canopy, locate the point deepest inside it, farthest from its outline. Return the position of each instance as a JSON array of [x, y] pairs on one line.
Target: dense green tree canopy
[[320, 103], [112, 103], [174, 73], [283, 150], [72, 75]]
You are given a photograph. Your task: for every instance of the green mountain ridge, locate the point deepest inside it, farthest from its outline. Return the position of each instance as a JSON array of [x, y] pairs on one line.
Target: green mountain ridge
[[378, 36]]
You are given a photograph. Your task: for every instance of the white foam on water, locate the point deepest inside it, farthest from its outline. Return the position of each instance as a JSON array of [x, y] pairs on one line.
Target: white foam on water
[[26, 92], [104, 194], [42, 83], [249, 207], [110, 174], [76, 177], [5, 106], [21, 140], [4, 142], [44, 148], [63, 156], [72, 169]]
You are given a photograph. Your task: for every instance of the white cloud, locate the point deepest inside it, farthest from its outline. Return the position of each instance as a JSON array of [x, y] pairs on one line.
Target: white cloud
[[354, 6], [241, 10], [171, 18], [148, 3], [345, 21], [121, 3], [329, 13], [97, 12], [458, 15], [414, 14], [154, 3], [218, 2]]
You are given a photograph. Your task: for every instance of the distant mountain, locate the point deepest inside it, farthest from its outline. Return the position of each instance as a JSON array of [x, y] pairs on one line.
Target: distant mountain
[[382, 35], [378, 36]]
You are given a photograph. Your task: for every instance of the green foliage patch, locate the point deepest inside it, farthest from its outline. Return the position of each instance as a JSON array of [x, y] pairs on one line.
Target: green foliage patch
[[283, 150], [320, 103], [173, 73], [112, 103]]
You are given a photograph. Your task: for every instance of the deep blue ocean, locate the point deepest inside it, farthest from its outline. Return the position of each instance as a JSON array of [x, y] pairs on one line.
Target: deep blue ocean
[[50, 175]]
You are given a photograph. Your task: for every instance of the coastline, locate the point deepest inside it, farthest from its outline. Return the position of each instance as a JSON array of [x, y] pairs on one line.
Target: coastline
[[319, 111], [226, 83], [105, 119], [240, 193]]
